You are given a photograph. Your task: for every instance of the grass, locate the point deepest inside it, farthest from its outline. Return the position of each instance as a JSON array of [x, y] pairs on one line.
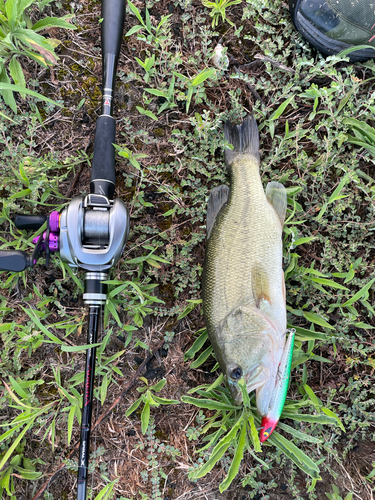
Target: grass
[[170, 108]]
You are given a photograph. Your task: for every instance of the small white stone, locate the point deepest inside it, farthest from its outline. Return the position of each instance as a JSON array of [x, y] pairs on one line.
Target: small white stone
[[220, 60]]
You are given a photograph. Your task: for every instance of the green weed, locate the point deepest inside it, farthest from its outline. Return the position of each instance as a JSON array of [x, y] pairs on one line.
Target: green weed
[[20, 37], [156, 36], [218, 9], [335, 495], [156, 449], [149, 400]]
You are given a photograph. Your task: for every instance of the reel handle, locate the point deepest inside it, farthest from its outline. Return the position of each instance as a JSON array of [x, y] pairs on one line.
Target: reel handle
[[14, 260], [29, 221], [103, 165]]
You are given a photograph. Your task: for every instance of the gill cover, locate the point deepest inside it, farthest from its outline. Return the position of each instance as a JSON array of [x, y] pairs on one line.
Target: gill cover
[[251, 349]]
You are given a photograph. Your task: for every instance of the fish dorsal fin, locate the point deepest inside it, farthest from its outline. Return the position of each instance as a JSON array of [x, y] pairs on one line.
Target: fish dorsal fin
[[218, 198], [276, 196]]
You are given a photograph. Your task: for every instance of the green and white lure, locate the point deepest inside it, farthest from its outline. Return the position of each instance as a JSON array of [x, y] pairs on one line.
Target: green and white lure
[[269, 422]]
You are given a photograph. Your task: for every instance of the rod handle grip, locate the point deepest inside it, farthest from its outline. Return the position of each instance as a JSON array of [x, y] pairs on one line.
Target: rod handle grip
[[14, 260], [103, 174]]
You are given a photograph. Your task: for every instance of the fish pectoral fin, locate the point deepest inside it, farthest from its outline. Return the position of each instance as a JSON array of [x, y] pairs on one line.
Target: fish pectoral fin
[[260, 286], [276, 196], [218, 198]]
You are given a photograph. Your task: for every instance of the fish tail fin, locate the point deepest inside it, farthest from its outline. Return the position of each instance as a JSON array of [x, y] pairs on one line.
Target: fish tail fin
[[244, 138]]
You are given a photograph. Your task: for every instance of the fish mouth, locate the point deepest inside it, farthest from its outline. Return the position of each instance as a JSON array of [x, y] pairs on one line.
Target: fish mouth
[[235, 392], [254, 379]]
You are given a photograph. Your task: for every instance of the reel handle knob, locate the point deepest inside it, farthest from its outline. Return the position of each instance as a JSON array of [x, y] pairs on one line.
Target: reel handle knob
[[14, 260], [29, 221]]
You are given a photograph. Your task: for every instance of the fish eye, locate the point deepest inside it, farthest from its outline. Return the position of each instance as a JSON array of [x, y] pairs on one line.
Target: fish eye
[[235, 373]]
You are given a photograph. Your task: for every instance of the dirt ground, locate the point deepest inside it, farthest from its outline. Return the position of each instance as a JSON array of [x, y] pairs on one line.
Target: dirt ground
[[118, 447]]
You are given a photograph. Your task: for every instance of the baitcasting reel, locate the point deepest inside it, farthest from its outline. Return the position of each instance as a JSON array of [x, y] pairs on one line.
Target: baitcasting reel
[[90, 233]]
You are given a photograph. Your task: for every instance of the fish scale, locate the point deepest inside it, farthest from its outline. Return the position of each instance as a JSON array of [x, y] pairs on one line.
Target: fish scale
[[243, 285]]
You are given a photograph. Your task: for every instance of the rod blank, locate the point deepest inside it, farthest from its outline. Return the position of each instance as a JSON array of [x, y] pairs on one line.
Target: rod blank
[[88, 393]]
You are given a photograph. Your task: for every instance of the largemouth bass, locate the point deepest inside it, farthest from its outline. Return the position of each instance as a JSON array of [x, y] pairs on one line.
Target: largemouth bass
[[243, 280]]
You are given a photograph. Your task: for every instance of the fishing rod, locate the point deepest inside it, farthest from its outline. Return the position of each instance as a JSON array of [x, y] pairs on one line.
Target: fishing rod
[[91, 232]]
